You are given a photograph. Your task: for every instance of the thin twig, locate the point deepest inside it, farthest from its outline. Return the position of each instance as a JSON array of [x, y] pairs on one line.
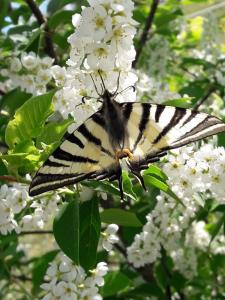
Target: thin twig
[[8, 178], [148, 26], [21, 277], [36, 232], [211, 90], [40, 18]]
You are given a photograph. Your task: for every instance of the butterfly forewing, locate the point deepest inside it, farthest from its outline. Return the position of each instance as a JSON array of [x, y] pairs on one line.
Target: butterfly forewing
[[154, 129], [84, 154]]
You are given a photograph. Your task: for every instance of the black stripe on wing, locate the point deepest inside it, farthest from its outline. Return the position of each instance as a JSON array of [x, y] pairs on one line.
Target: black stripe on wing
[[63, 155], [99, 119], [93, 139], [179, 113], [43, 182], [75, 140], [159, 111], [143, 122]]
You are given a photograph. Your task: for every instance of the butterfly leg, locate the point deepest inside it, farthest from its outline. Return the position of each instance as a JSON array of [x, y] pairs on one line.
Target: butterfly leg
[[140, 178], [120, 182]]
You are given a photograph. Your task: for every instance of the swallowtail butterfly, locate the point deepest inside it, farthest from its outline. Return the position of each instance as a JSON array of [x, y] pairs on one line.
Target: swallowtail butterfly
[[139, 132]]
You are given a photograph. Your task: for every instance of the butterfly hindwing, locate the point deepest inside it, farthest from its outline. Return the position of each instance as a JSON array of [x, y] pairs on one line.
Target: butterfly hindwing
[[85, 154], [153, 129]]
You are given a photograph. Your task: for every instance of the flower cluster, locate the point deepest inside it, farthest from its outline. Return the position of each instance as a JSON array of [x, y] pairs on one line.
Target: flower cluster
[[164, 229], [192, 171], [44, 209], [12, 201], [34, 213], [70, 282], [168, 224], [30, 72], [110, 237], [155, 56], [102, 46], [150, 89]]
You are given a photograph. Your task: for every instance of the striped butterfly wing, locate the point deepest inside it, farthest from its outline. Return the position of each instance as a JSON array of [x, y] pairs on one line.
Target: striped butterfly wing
[[85, 154], [154, 129]]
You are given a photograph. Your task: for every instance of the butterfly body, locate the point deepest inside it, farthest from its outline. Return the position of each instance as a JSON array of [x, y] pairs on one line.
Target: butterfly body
[[140, 133], [115, 123]]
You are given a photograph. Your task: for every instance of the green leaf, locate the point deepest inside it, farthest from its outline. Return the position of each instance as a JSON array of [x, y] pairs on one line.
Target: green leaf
[[4, 6], [165, 16], [19, 29], [181, 102], [90, 227], [128, 186], [216, 227], [221, 139], [12, 100], [39, 269], [196, 61], [29, 119], [66, 229], [55, 5], [60, 17], [178, 281], [195, 89], [34, 40], [102, 186], [145, 290], [151, 180], [219, 208], [53, 132], [154, 170], [60, 39], [115, 282], [120, 217]]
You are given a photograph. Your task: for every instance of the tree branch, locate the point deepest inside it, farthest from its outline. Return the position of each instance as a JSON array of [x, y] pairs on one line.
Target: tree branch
[[211, 90], [36, 232], [148, 26], [49, 49]]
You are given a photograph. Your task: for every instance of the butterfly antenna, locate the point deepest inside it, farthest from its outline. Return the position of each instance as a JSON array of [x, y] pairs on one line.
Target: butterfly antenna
[[127, 88], [117, 84], [103, 84], [95, 85]]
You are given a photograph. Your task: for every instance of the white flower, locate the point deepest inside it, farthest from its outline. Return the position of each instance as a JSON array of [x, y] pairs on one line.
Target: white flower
[[46, 62], [101, 57], [29, 60], [59, 75], [43, 76], [122, 36], [110, 237], [97, 275], [97, 22], [198, 236], [15, 65]]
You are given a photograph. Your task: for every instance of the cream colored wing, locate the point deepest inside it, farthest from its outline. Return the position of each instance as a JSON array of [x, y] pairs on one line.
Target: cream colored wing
[[85, 154], [153, 129]]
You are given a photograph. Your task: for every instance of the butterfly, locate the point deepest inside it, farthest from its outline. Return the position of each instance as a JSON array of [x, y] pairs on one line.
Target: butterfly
[[140, 133]]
